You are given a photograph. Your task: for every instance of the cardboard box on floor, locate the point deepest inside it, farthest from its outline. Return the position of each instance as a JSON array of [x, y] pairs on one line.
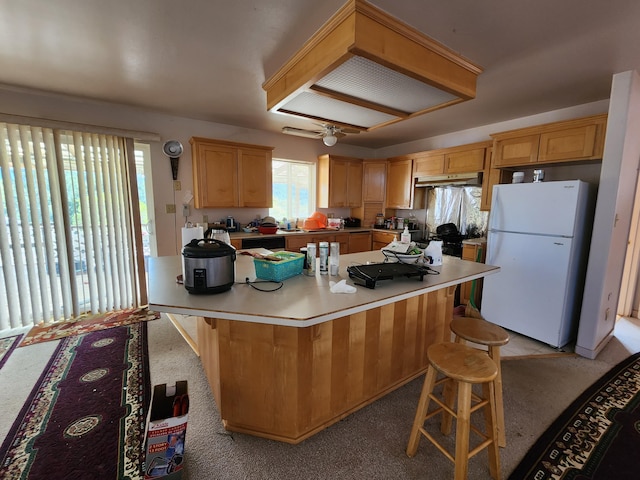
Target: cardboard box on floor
[[166, 431]]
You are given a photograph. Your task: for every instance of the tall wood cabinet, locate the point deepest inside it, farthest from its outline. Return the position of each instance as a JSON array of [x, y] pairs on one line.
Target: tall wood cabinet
[[229, 174], [399, 183], [339, 182], [374, 186]]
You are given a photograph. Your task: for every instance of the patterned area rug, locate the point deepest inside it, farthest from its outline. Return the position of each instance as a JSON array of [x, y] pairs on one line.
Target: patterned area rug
[[6, 347], [87, 323], [85, 418], [596, 437]]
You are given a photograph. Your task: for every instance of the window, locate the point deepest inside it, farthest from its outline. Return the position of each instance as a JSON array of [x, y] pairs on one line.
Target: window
[[294, 189]]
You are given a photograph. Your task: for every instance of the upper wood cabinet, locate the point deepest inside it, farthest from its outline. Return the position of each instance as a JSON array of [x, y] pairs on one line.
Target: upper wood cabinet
[[465, 159], [229, 174], [462, 159], [374, 180], [572, 140], [426, 165], [399, 183], [339, 181]]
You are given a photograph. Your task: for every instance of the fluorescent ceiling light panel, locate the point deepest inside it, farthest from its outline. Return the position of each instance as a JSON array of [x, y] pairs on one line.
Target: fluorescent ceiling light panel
[[364, 79], [366, 69], [309, 104]]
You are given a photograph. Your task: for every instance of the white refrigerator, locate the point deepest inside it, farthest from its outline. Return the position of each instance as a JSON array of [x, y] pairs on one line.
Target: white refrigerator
[[539, 236]]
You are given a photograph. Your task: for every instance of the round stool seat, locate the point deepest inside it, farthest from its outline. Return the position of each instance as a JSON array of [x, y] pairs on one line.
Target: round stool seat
[[462, 363], [478, 330]]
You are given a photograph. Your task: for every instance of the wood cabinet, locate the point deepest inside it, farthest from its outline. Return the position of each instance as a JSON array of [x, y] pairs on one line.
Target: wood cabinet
[[374, 180], [428, 165], [381, 239], [400, 183], [295, 242], [567, 141], [474, 252], [359, 242], [516, 151], [465, 159], [339, 182], [461, 159], [228, 174]]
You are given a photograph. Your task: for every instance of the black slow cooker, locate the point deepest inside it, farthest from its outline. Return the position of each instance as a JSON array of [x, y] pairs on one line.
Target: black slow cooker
[[208, 266]]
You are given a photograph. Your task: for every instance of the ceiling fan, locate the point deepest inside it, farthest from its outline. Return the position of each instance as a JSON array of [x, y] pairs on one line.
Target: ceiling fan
[[328, 133]]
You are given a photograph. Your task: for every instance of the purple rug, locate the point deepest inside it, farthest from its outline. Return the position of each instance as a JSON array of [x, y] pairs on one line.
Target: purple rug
[[85, 417], [8, 345]]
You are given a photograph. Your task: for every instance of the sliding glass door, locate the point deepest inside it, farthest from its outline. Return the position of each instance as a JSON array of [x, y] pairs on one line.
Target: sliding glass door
[[71, 239]]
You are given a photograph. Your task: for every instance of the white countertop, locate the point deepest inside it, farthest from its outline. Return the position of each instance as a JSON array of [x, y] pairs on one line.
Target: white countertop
[[303, 300]]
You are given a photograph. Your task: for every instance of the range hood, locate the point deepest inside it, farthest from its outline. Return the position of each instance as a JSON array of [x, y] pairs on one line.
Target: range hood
[[448, 179], [365, 69]]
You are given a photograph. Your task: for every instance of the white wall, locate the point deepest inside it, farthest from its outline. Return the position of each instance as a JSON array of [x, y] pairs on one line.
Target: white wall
[[613, 215]]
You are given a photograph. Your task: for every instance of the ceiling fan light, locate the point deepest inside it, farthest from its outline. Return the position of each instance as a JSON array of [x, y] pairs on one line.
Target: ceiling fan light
[[329, 140]]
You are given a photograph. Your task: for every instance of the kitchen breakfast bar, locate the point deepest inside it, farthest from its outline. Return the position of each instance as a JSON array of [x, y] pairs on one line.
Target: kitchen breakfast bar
[[288, 363]]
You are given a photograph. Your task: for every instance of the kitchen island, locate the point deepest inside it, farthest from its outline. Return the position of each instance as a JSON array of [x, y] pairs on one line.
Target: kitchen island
[[288, 363]]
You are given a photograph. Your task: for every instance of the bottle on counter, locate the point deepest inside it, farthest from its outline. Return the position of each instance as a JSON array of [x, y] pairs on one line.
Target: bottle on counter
[[324, 258], [334, 258], [310, 264], [406, 236]]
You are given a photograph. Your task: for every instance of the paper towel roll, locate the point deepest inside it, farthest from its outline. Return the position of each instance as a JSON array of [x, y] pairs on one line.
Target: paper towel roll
[[188, 234]]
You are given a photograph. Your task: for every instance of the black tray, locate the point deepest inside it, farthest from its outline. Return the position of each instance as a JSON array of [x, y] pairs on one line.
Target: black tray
[[368, 275]]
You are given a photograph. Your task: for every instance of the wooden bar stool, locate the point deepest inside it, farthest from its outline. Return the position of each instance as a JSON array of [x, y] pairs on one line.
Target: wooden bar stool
[[465, 366], [480, 331]]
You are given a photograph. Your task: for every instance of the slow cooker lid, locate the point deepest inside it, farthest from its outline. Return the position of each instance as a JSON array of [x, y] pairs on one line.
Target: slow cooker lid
[[207, 248]]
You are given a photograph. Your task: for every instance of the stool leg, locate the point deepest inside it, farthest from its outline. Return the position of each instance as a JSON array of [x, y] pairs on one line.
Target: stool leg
[[494, 353], [488, 391], [462, 430], [448, 397], [421, 412], [449, 390]]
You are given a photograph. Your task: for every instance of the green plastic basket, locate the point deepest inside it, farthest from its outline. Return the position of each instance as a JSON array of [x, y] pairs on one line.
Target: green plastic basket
[[290, 266]]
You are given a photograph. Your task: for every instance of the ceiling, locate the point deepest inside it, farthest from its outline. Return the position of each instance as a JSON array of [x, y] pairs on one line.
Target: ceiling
[[208, 59]]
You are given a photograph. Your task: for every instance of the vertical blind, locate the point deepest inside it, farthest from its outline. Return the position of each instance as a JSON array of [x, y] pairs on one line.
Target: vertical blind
[[68, 245]]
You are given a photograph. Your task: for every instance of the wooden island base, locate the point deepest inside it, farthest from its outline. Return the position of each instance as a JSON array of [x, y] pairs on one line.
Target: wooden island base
[[288, 383]]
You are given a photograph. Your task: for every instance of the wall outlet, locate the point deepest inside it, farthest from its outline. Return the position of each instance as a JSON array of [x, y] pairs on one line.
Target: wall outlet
[[170, 208], [186, 211], [205, 218], [177, 186]]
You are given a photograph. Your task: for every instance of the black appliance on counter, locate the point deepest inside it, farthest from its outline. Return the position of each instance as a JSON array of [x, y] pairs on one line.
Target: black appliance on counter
[[351, 222], [451, 239]]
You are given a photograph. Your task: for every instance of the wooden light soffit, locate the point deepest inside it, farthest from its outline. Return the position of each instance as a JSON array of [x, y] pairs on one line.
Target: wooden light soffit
[[360, 36]]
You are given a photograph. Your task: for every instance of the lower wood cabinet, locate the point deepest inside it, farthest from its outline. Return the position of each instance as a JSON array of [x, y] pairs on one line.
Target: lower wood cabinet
[[295, 242], [381, 239], [359, 242]]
